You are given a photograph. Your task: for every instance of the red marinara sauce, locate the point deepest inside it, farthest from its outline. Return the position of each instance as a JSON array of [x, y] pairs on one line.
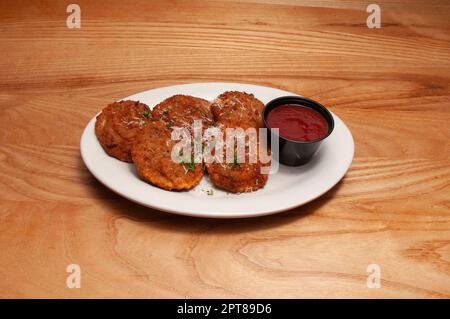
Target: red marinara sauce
[[297, 122]]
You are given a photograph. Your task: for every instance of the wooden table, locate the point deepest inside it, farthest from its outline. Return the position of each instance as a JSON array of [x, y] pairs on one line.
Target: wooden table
[[390, 85]]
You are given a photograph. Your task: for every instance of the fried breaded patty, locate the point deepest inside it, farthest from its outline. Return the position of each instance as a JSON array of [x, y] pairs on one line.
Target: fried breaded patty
[[151, 154], [117, 126], [238, 109], [181, 110], [238, 177]]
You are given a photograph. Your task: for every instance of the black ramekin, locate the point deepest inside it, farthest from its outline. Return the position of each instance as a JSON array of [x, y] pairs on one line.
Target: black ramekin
[[291, 152]]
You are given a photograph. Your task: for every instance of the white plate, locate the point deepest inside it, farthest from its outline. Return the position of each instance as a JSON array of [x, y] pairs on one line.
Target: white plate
[[288, 188]]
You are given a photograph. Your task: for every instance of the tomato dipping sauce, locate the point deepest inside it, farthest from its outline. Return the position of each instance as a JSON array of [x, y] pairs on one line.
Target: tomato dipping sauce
[[297, 122]]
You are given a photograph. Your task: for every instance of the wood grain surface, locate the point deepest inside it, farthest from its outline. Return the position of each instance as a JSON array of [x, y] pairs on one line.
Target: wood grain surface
[[390, 85]]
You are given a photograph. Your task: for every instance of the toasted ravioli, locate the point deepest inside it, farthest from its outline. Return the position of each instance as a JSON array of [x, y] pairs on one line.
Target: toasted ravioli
[[181, 111], [237, 177], [238, 109], [117, 126], [151, 154]]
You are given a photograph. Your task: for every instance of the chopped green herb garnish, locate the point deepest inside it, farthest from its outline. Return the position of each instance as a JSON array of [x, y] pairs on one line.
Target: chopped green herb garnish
[[235, 159], [210, 192], [190, 165], [146, 113], [167, 111], [170, 124]]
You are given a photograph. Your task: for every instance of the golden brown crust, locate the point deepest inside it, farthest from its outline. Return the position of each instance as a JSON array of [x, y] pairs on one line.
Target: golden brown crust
[[181, 110], [151, 154], [239, 177], [238, 109], [117, 126]]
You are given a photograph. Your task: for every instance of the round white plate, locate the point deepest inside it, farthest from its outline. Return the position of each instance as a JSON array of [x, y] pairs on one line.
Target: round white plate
[[288, 188]]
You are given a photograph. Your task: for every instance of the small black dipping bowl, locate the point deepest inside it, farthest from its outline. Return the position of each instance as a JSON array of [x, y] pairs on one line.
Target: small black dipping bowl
[[292, 152]]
